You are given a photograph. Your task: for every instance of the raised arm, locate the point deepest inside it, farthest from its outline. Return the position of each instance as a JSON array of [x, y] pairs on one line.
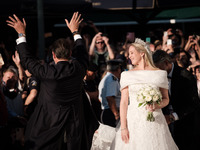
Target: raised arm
[[110, 51], [197, 46], [180, 32], [188, 44], [79, 52], [92, 46], [26, 57], [16, 60]]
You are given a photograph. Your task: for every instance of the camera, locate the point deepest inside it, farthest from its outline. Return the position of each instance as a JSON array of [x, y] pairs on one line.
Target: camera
[[104, 34], [194, 36]]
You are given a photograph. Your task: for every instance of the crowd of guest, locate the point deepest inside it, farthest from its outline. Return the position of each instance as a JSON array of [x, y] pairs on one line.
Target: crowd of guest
[[19, 89]]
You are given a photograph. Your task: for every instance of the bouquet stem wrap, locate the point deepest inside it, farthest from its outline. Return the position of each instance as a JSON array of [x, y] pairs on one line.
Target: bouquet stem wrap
[[150, 117]]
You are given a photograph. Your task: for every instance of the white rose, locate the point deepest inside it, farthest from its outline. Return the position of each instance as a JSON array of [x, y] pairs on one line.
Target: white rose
[[145, 93], [140, 92], [140, 99], [158, 92], [152, 92], [155, 97], [148, 98], [148, 88]]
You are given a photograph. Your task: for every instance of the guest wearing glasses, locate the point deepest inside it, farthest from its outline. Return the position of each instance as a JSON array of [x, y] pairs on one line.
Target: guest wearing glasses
[[100, 51]]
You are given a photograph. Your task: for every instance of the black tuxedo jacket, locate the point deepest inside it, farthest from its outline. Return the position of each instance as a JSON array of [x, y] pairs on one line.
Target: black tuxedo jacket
[[184, 95], [185, 102], [57, 121]]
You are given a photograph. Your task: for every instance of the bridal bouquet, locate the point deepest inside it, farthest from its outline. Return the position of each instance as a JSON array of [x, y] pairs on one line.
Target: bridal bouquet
[[149, 95]]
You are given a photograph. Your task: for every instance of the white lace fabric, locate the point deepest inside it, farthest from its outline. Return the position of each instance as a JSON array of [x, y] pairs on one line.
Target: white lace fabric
[[103, 138], [143, 135]]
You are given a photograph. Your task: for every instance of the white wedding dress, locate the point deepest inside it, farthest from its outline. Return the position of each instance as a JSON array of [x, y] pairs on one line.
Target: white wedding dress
[[143, 135]]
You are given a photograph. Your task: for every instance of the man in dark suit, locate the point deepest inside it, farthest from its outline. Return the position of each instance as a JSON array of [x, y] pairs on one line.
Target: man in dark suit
[[182, 113], [57, 121]]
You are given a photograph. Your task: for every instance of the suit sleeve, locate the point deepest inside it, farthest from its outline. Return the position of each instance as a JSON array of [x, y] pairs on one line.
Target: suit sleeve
[[190, 101], [29, 62], [194, 91], [80, 53]]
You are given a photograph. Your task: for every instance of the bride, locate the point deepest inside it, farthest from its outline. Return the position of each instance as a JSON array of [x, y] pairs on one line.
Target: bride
[[135, 132]]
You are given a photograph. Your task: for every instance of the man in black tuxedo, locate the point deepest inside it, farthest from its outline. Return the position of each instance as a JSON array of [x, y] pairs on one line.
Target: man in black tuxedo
[[57, 121], [182, 113]]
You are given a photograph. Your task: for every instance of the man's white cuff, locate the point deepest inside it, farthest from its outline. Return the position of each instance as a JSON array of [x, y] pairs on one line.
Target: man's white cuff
[[77, 36], [21, 40], [175, 116]]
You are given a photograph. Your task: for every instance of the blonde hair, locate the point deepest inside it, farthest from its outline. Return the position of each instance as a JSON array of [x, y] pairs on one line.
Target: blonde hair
[[141, 48]]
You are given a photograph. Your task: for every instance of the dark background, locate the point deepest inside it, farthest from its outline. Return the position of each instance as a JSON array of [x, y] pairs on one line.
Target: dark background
[[114, 17]]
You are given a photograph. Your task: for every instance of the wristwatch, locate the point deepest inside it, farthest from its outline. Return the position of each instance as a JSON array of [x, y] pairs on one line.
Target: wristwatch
[[21, 35]]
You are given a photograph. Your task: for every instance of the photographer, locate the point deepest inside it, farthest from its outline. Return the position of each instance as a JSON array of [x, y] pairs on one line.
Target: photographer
[[172, 39], [192, 46], [100, 51]]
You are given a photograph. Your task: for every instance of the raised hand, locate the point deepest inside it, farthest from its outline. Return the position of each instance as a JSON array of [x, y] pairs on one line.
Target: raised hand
[[16, 59], [105, 39], [74, 23], [17, 24], [180, 32], [97, 35]]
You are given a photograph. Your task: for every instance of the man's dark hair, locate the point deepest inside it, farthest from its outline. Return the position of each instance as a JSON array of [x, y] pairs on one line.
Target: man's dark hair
[[161, 56], [187, 54], [62, 48], [114, 64], [92, 67]]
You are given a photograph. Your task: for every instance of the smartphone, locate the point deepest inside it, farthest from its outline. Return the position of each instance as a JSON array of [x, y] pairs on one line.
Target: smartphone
[[148, 39], [169, 41], [1, 60]]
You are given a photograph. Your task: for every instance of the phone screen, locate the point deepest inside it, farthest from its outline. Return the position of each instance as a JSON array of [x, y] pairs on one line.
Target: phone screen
[[169, 42], [148, 39]]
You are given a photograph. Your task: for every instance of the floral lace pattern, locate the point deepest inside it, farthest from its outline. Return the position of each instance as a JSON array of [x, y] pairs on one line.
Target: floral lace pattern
[[143, 135], [103, 137]]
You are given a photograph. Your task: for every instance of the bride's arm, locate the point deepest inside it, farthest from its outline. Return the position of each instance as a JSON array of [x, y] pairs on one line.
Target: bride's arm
[[163, 103], [123, 114], [165, 99]]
